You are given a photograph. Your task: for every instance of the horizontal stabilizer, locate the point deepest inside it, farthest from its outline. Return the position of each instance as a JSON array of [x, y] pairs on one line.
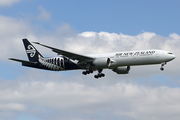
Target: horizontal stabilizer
[[22, 61]]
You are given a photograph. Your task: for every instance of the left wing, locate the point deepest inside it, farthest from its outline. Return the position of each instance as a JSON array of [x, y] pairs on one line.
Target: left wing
[[70, 55]]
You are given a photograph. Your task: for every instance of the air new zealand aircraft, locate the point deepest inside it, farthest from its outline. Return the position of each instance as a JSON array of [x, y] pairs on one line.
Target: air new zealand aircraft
[[118, 62]]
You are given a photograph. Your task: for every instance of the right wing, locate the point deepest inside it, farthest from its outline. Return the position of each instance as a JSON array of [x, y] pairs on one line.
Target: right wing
[[70, 55]]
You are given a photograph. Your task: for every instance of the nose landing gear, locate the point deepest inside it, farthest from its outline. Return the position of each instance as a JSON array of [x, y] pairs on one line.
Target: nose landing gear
[[162, 66]]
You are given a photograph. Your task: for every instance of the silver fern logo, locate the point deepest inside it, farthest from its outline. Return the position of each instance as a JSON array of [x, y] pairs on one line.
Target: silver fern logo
[[31, 50]]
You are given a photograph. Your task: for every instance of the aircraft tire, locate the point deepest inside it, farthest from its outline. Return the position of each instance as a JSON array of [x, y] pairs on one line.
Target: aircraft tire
[[96, 76], [103, 75], [84, 73], [161, 68]]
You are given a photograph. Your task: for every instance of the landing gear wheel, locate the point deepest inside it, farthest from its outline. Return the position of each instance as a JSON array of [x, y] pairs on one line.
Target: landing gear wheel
[[87, 72], [84, 73], [96, 76], [161, 68], [103, 75], [91, 71], [99, 75]]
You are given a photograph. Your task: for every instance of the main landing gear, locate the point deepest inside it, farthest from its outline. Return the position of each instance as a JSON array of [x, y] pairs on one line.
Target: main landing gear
[[87, 72], [99, 75], [162, 66]]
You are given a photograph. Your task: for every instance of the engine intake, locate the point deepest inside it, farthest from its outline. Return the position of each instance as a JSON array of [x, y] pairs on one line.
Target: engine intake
[[122, 70], [102, 62]]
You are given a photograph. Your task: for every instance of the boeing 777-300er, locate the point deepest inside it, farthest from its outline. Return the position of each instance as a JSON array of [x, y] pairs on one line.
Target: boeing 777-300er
[[118, 62]]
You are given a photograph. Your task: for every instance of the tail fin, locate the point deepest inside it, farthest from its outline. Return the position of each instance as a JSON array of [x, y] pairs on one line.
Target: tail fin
[[31, 51]]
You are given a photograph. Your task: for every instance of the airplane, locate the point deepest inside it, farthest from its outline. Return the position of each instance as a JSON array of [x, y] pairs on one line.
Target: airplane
[[119, 62]]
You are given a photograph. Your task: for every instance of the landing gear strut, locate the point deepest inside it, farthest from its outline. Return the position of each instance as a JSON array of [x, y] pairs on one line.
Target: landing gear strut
[[100, 74], [162, 66]]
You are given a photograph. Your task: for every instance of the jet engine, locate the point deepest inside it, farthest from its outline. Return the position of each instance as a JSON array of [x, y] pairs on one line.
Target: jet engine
[[102, 62], [122, 70]]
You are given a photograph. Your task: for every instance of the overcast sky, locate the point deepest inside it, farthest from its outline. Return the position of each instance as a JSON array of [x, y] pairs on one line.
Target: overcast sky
[[86, 27]]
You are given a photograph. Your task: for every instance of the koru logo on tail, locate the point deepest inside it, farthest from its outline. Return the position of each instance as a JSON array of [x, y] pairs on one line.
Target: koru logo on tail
[[31, 50]]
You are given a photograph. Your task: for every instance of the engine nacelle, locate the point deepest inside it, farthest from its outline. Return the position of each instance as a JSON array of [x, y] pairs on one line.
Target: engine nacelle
[[122, 70], [102, 62]]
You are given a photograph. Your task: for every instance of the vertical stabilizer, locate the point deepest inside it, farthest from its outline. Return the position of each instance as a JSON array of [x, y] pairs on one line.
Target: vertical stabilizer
[[32, 53]]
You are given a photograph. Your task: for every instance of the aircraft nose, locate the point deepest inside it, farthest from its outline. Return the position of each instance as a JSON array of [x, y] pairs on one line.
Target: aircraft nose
[[171, 57]]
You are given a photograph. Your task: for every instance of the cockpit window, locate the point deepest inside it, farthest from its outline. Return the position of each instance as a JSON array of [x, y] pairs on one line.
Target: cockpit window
[[170, 53]]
